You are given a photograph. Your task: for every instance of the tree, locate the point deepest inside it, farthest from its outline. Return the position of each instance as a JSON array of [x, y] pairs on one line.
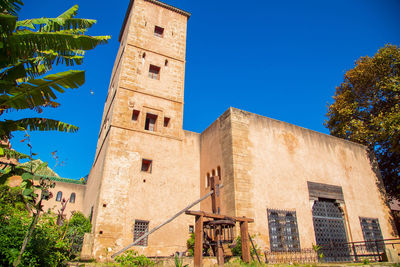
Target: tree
[[31, 48], [366, 110], [28, 50]]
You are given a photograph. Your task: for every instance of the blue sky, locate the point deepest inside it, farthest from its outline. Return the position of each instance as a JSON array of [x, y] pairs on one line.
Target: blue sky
[[280, 59]]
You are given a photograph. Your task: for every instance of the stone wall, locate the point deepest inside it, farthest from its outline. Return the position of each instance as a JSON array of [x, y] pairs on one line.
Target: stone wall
[[276, 159]]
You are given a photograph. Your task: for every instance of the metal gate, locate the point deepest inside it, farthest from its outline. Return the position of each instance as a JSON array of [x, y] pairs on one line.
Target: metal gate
[[330, 231]]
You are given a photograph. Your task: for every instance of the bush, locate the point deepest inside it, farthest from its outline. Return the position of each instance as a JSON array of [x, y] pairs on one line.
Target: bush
[[74, 231], [46, 247], [131, 258], [190, 245], [237, 250]]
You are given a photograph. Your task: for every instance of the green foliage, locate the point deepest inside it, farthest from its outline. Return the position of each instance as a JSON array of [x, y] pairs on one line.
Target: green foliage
[[365, 261], [29, 49], [237, 250], [190, 245], [366, 110], [74, 231], [179, 261], [320, 254], [46, 247], [131, 258]]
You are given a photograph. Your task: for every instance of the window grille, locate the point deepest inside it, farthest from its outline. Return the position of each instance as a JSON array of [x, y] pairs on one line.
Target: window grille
[[371, 231], [141, 228], [283, 230]]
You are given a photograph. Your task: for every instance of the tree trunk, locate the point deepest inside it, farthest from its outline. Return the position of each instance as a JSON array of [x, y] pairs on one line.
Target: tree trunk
[[27, 238]]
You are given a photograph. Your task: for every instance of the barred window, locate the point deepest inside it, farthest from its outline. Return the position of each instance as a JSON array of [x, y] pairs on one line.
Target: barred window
[[283, 231], [141, 228], [371, 231]]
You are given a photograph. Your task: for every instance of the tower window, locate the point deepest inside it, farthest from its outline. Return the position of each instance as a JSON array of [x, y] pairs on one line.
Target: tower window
[[150, 124], [59, 196], [135, 115], [166, 121], [140, 228], [146, 165], [154, 72], [158, 31], [72, 198]]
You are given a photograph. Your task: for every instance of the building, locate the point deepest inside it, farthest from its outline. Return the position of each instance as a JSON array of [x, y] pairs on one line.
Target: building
[[147, 168]]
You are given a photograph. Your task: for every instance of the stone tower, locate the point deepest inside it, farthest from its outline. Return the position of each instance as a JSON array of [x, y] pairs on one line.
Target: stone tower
[[146, 166]]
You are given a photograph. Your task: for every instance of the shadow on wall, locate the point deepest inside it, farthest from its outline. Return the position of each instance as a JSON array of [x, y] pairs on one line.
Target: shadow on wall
[[381, 187]]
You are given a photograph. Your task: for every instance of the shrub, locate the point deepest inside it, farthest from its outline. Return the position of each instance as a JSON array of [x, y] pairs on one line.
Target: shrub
[[237, 250], [131, 258], [190, 245], [46, 247], [74, 231]]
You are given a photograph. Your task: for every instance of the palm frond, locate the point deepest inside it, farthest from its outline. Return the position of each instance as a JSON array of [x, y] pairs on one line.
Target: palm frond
[[7, 25], [35, 124], [10, 6], [56, 24], [38, 92], [24, 44], [12, 154], [70, 13]]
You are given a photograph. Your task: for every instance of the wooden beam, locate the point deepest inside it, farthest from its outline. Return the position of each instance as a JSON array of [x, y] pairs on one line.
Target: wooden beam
[[218, 216], [215, 197], [244, 234], [198, 241]]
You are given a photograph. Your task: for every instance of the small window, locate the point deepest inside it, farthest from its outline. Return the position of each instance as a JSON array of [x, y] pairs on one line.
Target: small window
[[158, 31], [150, 124], [72, 198], [59, 196], [166, 121], [166, 63], [146, 165], [141, 228], [154, 72], [135, 115], [191, 229]]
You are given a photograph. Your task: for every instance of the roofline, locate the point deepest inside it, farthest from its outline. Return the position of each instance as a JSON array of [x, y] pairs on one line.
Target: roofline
[[156, 2]]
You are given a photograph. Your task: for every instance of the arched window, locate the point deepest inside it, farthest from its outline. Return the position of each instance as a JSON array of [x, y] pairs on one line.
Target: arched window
[[213, 173], [59, 196], [72, 198], [219, 172], [166, 63]]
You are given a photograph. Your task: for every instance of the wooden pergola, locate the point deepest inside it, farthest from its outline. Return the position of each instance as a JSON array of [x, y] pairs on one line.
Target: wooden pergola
[[200, 217]]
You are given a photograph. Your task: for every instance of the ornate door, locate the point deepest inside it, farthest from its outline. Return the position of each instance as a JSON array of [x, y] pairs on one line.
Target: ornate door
[[330, 232]]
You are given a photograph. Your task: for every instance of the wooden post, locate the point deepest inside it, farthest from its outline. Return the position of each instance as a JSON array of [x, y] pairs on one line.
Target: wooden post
[[198, 241], [215, 197], [220, 251], [244, 235]]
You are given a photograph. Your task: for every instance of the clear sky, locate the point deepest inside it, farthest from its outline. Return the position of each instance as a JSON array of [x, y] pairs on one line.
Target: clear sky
[[281, 59]]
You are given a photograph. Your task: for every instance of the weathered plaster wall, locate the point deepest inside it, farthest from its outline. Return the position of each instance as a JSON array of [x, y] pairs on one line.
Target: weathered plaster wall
[[127, 193], [216, 151], [67, 189], [276, 160]]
